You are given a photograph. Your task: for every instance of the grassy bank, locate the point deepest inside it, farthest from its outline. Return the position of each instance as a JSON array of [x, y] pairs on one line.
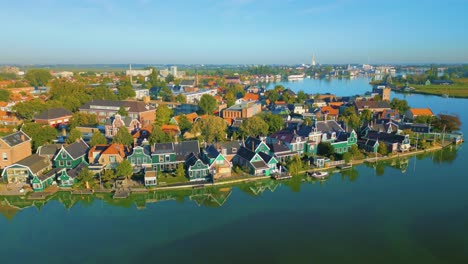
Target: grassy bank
[[459, 89]]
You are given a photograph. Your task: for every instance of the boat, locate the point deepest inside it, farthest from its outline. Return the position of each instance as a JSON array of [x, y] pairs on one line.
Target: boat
[[445, 95], [319, 174], [298, 77]]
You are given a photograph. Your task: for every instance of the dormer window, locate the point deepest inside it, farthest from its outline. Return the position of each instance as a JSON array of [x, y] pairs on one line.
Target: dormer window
[[234, 150], [64, 155]]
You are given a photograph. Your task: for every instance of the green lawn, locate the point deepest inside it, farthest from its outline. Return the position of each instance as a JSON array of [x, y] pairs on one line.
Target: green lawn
[[458, 89], [170, 179]]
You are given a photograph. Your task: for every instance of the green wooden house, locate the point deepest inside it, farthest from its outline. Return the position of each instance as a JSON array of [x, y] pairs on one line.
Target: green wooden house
[[196, 169], [219, 165], [271, 161], [42, 181], [166, 156], [29, 169], [328, 131], [246, 158], [257, 145], [72, 155], [140, 157], [67, 178], [369, 145]]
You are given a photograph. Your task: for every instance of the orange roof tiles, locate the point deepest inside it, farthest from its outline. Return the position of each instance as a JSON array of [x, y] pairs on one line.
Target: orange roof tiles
[[421, 112], [170, 128], [335, 104], [330, 110], [251, 97], [115, 149]]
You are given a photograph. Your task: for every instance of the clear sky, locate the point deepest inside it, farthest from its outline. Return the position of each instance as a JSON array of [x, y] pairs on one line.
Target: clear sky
[[233, 31]]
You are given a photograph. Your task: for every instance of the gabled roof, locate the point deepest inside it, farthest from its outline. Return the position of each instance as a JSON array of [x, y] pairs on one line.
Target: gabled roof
[[253, 141], [245, 153], [260, 165], [187, 83], [163, 148], [53, 114], [50, 173], [115, 149], [251, 97], [385, 137], [265, 157], [329, 110], [16, 138], [185, 148], [48, 150], [278, 147], [229, 147], [192, 159], [77, 149], [421, 111], [285, 136], [371, 104], [304, 131], [328, 126], [35, 163], [73, 173]]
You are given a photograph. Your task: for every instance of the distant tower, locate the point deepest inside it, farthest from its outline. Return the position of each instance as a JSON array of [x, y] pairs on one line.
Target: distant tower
[[313, 61], [174, 71], [131, 74]]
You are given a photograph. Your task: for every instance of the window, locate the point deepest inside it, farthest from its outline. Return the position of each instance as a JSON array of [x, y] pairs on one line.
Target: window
[[61, 163], [64, 155], [112, 159], [168, 158], [68, 163], [5, 156]]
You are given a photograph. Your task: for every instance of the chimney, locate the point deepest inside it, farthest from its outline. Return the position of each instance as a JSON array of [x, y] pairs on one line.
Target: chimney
[[253, 148], [224, 151]]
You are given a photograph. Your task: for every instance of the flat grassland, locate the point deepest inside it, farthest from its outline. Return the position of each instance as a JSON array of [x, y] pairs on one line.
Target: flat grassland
[[458, 89]]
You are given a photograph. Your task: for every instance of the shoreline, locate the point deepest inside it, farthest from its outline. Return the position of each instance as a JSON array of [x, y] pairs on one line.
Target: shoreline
[[46, 194]]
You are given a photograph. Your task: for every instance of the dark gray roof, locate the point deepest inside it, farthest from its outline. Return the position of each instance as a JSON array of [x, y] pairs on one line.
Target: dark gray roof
[[77, 149], [75, 171], [211, 152], [328, 126], [260, 165], [265, 157], [16, 138], [385, 137], [187, 82], [52, 172], [53, 113], [304, 131], [35, 163], [192, 159], [245, 153], [229, 147], [185, 148], [278, 147], [372, 104], [48, 150], [131, 106], [252, 140], [163, 148]]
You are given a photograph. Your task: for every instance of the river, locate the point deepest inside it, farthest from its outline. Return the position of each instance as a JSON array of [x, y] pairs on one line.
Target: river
[[411, 210]]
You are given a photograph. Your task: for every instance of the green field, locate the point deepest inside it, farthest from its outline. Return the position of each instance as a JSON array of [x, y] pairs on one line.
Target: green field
[[458, 89]]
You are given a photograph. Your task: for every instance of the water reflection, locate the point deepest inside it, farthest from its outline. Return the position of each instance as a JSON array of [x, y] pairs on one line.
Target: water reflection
[[217, 196]]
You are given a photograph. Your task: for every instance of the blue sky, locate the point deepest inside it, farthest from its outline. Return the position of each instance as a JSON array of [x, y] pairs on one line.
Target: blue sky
[[233, 31]]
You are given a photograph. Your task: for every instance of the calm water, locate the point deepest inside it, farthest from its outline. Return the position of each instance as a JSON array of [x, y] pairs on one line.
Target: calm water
[[406, 211]]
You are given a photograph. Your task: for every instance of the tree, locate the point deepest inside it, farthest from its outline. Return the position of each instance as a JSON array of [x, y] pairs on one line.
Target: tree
[[180, 171], [181, 98], [355, 152], [74, 135], [158, 135], [126, 91], [366, 115], [295, 165], [86, 178], [272, 95], [38, 77], [39, 134], [275, 122], [230, 98], [123, 137], [211, 128], [122, 111], [97, 139], [165, 93], [207, 104], [254, 126], [4, 95], [301, 96], [308, 121], [163, 115], [325, 149], [83, 119], [447, 122], [400, 105], [27, 110], [169, 78], [184, 123], [107, 177], [124, 169], [350, 117], [382, 149]]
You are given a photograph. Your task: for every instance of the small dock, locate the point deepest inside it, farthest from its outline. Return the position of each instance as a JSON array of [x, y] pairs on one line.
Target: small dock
[[344, 166], [280, 177], [121, 194]]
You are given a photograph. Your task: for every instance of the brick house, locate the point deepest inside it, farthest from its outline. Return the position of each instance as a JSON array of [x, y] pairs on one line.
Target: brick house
[[53, 117], [106, 109], [14, 147]]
